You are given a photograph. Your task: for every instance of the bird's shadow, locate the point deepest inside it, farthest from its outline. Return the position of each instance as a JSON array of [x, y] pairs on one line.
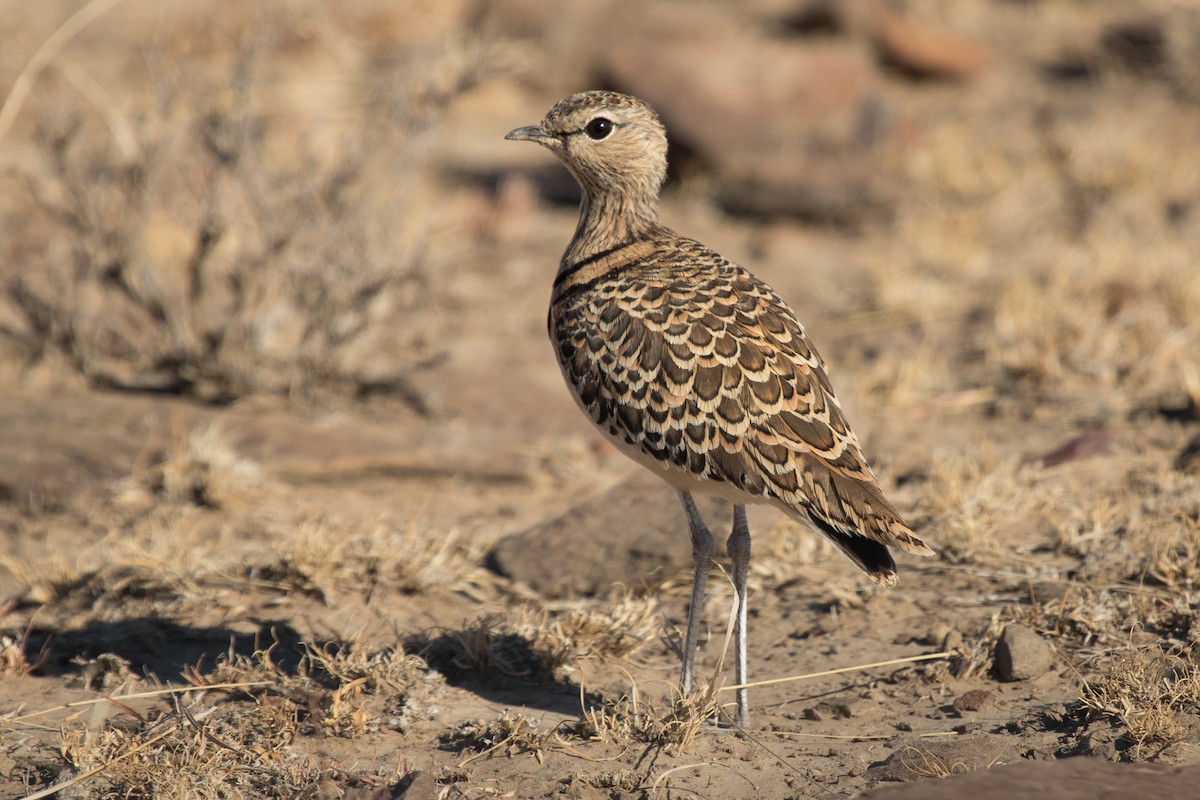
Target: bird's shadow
[[501, 667], [163, 648]]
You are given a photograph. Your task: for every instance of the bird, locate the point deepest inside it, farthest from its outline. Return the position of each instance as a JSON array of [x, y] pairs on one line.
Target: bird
[[695, 368]]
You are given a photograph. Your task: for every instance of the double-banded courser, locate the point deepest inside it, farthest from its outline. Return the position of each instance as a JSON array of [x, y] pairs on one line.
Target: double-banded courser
[[695, 368]]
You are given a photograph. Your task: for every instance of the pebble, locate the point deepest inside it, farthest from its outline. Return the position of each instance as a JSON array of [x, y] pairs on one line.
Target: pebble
[[973, 700]]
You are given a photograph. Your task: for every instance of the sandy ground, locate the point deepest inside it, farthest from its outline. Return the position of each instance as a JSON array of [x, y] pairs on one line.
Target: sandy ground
[[379, 521]]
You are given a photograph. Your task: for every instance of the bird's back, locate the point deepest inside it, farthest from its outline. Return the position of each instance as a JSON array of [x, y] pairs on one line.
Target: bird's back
[[693, 366]]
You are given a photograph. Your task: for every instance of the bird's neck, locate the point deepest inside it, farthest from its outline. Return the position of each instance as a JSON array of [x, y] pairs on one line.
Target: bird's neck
[[608, 220]]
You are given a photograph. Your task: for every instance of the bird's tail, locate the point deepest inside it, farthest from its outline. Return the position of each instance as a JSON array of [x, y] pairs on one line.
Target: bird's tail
[[868, 551]]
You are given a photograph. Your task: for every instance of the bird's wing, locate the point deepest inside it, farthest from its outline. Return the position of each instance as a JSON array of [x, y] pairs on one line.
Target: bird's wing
[[699, 365]]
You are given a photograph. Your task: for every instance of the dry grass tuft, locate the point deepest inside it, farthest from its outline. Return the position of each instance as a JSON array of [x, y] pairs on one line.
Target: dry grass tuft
[[539, 645], [508, 735], [629, 720], [202, 468], [45, 573], [1152, 693], [599, 631], [14, 654], [1174, 559], [983, 507], [343, 689], [1084, 614], [402, 682], [194, 751], [324, 556], [160, 566], [925, 764], [491, 646], [1093, 319]]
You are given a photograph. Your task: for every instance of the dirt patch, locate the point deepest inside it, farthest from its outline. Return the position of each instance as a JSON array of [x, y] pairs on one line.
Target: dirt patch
[[293, 502]]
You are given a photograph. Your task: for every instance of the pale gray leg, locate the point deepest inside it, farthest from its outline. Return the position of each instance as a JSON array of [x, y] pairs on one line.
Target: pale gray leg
[[738, 547], [703, 549]]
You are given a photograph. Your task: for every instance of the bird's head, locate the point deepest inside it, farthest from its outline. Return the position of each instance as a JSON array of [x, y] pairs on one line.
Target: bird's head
[[609, 141]]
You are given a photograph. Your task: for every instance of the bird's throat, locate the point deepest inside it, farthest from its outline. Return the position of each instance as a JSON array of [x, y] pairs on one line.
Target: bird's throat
[[609, 219]]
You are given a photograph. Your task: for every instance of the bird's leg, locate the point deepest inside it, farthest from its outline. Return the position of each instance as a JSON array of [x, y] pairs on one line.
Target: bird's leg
[[703, 549], [738, 547]]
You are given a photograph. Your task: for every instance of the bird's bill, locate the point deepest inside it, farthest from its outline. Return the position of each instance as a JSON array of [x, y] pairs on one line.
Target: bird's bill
[[530, 133]]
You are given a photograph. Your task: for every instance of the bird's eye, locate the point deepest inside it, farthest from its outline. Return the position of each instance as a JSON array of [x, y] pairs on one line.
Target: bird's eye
[[599, 128]]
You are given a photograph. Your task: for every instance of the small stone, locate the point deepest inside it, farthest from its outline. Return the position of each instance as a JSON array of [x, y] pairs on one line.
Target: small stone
[[1021, 654], [973, 701], [1090, 444]]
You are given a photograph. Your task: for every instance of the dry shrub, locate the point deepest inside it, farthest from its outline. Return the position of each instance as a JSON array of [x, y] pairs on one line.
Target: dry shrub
[[1154, 694], [230, 247]]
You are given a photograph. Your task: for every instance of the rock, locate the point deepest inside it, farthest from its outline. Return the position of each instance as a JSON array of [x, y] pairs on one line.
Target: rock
[[628, 535], [1078, 778], [791, 127], [1100, 741], [912, 46], [1021, 654], [929, 53], [1179, 753], [1086, 445]]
